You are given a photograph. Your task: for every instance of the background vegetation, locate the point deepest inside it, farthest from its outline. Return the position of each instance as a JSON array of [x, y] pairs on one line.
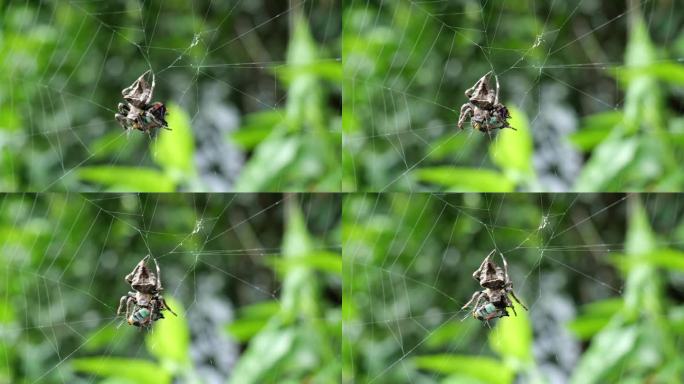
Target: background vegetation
[[602, 276], [595, 90], [255, 280], [253, 91]]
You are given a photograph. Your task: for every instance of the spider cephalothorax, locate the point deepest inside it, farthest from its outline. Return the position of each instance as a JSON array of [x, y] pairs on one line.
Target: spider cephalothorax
[[138, 113], [483, 108], [144, 305], [497, 286]]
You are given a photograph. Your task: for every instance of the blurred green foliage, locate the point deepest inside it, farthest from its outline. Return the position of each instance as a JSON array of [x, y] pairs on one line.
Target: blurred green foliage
[[252, 90], [240, 317], [601, 275], [596, 87]]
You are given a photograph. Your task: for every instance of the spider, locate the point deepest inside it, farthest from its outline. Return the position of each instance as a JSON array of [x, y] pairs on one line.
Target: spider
[[483, 108], [497, 286], [138, 113], [144, 306]]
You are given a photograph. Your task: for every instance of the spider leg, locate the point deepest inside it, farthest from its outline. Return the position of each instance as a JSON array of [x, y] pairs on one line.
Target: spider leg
[[477, 296], [496, 98], [505, 265], [152, 88], [122, 302], [514, 312], [159, 286], [517, 300], [124, 121], [466, 113], [131, 301], [161, 298]]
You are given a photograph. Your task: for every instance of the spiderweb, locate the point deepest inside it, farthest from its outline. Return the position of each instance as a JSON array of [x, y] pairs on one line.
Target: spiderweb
[[66, 63], [65, 256], [409, 260], [407, 65]]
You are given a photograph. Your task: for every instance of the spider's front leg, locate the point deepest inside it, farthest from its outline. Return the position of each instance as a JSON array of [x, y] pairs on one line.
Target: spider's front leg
[[122, 302], [477, 296], [466, 113], [128, 301]]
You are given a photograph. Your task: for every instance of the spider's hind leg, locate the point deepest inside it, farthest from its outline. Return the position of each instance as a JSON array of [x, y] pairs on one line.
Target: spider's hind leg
[[517, 300]]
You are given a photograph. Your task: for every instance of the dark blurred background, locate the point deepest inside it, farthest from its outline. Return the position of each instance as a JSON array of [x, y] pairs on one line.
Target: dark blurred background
[[594, 87], [602, 276], [252, 88], [255, 280]]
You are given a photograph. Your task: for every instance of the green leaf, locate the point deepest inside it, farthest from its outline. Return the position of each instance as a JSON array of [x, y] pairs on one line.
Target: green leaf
[[603, 307], [127, 179], [665, 71], [609, 159], [270, 160], [330, 70], [265, 351], [174, 150], [595, 129], [244, 329], [465, 179], [256, 128], [261, 310], [322, 261], [169, 340], [251, 319], [305, 94], [299, 293], [664, 258], [586, 327], [138, 371], [512, 150], [607, 351], [483, 368], [512, 338]]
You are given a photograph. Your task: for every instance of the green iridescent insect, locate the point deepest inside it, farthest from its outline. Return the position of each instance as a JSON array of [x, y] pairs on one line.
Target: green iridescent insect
[[145, 304]]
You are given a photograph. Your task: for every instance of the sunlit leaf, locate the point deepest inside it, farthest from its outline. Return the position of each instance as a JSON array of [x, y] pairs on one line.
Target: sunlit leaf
[[138, 371], [483, 368], [608, 349], [586, 327], [512, 150], [322, 261], [170, 339], [256, 128], [465, 179], [512, 337], [595, 129], [243, 330], [174, 150], [269, 161], [127, 179], [265, 351], [608, 160]]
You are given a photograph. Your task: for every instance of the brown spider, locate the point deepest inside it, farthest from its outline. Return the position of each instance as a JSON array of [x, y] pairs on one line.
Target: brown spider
[[497, 286], [138, 113], [144, 306], [483, 108]]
